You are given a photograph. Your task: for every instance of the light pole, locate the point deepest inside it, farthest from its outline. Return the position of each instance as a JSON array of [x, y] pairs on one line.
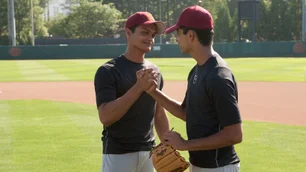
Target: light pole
[[160, 36], [11, 22], [32, 20], [303, 20]]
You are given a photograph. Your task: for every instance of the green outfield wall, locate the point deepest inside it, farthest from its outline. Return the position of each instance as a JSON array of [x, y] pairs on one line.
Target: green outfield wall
[[263, 49]]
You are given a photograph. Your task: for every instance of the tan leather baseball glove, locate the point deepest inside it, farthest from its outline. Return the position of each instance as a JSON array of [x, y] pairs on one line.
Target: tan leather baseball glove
[[166, 159]]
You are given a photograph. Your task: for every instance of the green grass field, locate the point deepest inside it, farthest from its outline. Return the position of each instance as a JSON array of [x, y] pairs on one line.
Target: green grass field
[[245, 69], [54, 136]]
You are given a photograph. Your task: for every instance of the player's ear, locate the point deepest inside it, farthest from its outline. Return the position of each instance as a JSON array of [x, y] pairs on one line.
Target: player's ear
[[191, 34], [128, 32]]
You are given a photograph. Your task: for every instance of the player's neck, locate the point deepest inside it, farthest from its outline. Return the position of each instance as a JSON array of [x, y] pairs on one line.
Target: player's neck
[[134, 55], [202, 54]]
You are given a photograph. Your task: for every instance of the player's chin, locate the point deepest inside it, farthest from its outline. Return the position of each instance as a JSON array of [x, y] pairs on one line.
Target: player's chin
[[183, 52], [146, 48]]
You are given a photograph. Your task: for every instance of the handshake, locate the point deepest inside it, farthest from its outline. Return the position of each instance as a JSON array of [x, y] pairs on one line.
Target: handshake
[[147, 79]]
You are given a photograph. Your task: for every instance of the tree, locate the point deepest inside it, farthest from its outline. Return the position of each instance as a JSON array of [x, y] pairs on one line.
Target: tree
[[223, 24], [88, 20], [280, 20], [296, 19], [43, 3], [22, 21], [56, 26], [3, 23], [276, 16], [3, 18], [264, 28], [285, 17], [233, 6]]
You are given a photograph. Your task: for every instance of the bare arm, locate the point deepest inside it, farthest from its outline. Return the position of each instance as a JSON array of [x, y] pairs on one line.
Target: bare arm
[[161, 121], [224, 96], [110, 112], [171, 105], [230, 135]]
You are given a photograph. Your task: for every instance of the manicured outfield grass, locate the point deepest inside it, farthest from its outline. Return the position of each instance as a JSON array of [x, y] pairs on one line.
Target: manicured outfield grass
[[245, 69], [55, 136]]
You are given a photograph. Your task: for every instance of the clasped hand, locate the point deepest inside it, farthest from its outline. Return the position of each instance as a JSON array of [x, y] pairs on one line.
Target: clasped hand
[[147, 79]]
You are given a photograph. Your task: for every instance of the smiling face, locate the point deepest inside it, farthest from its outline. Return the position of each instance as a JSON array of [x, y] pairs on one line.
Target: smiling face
[[142, 38]]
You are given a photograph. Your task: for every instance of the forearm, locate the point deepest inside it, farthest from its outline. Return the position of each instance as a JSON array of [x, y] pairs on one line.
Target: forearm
[[112, 111], [169, 104], [161, 122], [215, 141]]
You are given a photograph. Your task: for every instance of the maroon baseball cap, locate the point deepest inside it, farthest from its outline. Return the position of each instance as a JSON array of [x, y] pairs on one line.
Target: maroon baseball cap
[[143, 18], [193, 17]]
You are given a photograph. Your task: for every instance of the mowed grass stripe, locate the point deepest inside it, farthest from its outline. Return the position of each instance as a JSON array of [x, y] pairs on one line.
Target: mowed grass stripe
[[55, 136], [174, 69], [87, 121], [46, 139], [9, 71], [269, 69], [272, 147], [95, 63], [245, 69], [76, 70], [36, 71], [6, 137]]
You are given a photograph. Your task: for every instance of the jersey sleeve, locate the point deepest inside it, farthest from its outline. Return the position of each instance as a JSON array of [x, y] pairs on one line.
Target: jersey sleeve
[[224, 96], [105, 86]]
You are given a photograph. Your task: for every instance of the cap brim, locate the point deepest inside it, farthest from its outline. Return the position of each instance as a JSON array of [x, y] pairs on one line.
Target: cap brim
[[171, 29], [161, 27]]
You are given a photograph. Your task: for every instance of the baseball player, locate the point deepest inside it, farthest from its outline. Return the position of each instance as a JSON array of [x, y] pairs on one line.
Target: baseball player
[[210, 107], [126, 111]]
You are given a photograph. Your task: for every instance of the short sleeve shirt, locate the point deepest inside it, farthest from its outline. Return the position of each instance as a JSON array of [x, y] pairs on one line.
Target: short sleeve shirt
[[211, 103], [134, 131]]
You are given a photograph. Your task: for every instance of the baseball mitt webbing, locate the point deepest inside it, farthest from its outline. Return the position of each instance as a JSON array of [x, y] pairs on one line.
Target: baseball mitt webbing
[[166, 159]]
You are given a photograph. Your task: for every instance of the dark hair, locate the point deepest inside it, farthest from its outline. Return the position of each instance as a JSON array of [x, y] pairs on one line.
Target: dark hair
[[205, 36], [133, 28]]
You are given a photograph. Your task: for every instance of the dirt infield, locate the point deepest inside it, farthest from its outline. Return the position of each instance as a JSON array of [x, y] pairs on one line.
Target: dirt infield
[[259, 101]]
